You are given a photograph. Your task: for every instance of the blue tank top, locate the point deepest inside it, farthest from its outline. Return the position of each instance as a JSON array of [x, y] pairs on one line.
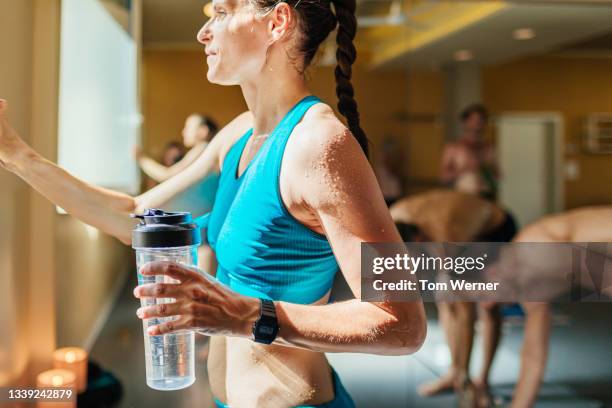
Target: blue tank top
[[262, 250]]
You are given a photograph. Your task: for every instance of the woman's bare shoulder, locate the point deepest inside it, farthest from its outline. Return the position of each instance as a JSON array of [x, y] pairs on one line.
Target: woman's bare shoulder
[[319, 133], [323, 158]]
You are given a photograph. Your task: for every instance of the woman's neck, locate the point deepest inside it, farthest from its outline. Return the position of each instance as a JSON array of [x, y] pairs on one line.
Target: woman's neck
[[269, 99]]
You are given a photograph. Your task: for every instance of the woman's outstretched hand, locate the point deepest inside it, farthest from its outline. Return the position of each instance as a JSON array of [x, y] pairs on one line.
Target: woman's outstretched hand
[[10, 142], [201, 304]]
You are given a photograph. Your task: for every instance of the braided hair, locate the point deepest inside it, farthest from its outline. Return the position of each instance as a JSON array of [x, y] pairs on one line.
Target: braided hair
[[316, 20], [346, 55]]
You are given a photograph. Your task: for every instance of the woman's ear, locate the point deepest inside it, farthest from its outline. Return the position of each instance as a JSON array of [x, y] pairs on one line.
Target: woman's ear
[[281, 20]]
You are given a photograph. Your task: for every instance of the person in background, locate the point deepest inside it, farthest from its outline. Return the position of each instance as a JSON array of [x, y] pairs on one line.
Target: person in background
[[592, 225], [452, 216], [388, 170], [469, 164], [197, 133], [173, 153]]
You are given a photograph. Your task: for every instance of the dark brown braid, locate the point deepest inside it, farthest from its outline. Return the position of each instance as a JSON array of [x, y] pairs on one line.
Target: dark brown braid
[[346, 55], [316, 20]]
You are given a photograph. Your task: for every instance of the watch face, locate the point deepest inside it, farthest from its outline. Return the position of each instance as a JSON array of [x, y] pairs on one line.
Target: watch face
[[266, 330]]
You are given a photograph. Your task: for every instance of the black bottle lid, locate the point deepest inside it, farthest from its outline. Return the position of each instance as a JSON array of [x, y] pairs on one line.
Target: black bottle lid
[[160, 229]]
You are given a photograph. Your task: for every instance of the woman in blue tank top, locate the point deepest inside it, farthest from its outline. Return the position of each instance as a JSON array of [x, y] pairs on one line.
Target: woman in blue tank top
[[296, 199]]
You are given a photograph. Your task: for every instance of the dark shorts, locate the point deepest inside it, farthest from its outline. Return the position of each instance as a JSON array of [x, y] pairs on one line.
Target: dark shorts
[[342, 398], [503, 233]]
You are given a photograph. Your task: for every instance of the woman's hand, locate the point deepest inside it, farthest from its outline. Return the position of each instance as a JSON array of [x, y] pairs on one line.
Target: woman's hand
[[11, 144], [202, 303]]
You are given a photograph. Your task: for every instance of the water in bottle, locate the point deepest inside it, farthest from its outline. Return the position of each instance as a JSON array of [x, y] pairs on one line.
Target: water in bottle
[[166, 236]]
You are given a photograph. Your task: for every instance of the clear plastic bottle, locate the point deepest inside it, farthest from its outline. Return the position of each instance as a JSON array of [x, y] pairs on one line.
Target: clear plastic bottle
[[161, 236]]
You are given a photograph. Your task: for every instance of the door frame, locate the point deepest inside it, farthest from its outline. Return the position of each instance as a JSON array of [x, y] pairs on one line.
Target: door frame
[[556, 118]]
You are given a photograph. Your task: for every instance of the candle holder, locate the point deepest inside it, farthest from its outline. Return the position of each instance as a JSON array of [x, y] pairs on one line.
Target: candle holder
[[73, 359], [57, 378]]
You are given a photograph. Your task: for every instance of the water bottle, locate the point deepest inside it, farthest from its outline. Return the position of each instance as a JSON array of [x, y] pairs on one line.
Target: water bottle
[[166, 236]]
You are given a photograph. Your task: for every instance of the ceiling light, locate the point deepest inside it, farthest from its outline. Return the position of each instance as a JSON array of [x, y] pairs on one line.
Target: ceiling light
[[463, 55], [208, 9], [523, 34]]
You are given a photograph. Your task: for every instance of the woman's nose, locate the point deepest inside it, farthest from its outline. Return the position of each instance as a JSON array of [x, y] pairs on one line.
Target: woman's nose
[[204, 35]]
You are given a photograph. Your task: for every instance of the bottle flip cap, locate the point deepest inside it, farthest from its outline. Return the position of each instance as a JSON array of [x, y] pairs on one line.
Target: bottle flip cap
[[160, 229]]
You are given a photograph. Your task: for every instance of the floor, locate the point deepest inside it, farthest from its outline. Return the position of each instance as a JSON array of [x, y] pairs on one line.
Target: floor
[[579, 373]]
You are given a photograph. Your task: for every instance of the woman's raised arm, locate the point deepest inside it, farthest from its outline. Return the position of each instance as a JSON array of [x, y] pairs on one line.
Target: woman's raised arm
[[102, 208]]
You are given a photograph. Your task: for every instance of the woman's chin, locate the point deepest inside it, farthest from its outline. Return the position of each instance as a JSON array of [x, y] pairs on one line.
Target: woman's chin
[[213, 78], [218, 80], [210, 75]]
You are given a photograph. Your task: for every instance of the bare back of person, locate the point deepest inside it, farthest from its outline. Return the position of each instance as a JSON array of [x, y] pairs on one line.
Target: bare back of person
[[586, 224], [447, 215]]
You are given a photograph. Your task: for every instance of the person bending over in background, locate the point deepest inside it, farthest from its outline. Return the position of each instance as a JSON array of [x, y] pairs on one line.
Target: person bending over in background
[[451, 216], [581, 225], [197, 134]]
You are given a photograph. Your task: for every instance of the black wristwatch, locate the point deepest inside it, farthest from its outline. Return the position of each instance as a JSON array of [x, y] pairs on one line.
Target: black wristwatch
[[266, 327]]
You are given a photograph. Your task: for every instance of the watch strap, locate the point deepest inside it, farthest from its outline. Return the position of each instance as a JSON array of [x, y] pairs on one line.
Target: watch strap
[[267, 308]]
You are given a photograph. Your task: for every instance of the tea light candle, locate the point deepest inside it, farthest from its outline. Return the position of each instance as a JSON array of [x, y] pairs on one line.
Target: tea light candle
[[57, 378], [75, 360]]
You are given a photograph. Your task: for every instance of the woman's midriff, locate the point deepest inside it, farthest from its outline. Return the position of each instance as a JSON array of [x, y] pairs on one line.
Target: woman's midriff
[[249, 374]]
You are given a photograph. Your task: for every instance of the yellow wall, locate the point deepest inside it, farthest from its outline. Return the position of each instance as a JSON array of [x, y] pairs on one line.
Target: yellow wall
[[15, 77], [573, 87], [426, 96], [175, 85]]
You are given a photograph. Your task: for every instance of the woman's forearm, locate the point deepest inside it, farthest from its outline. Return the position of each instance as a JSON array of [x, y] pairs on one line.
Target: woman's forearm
[[351, 326], [104, 209]]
